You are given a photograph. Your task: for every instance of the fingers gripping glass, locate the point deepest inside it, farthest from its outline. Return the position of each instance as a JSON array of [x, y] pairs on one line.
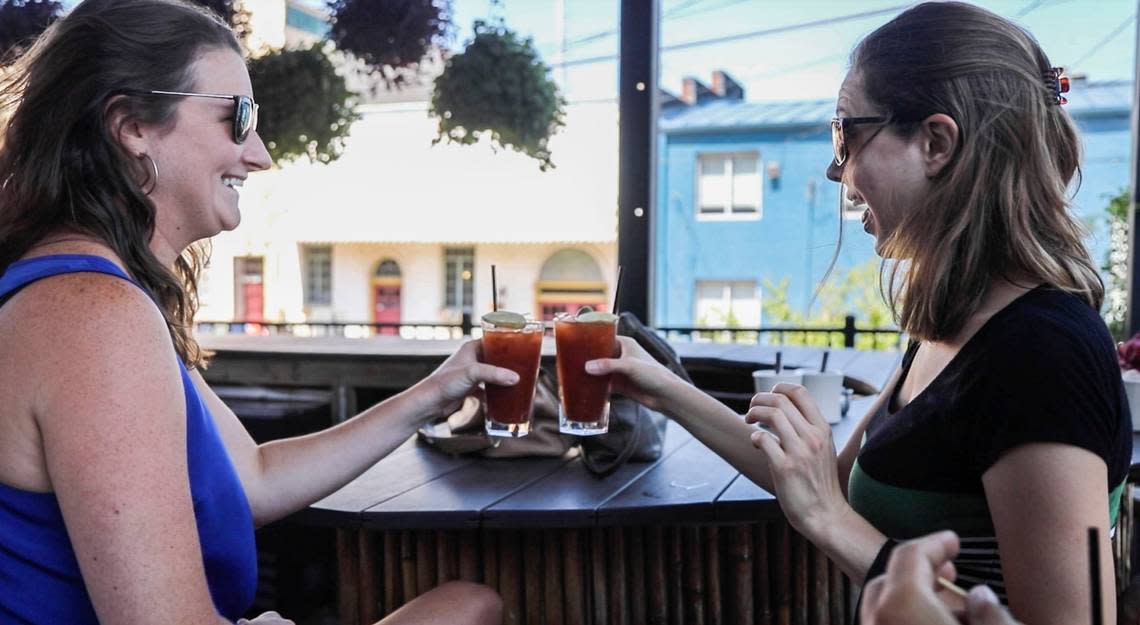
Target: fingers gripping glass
[[839, 126], [245, 110]]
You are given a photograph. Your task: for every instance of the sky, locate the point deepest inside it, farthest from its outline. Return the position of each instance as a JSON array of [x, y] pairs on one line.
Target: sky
[[1094, 37]]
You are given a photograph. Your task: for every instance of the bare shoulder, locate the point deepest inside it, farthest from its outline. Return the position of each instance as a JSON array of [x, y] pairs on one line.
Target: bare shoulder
[[72, 313], [82, 332]]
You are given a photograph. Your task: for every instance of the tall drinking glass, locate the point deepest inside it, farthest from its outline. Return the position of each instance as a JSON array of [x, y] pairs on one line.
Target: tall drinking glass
[[520, 350], [585, 399]]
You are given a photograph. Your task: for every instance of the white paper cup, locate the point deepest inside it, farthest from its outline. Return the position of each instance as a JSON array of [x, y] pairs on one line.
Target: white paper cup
[[826, 388], [765, 379]]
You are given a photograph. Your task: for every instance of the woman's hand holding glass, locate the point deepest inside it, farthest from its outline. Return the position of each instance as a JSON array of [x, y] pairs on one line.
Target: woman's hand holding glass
[[638, 375], [460, 376], [797, 442]]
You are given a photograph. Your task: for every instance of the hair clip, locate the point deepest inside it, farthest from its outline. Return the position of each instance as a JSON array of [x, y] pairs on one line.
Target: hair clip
[[1057, 83]]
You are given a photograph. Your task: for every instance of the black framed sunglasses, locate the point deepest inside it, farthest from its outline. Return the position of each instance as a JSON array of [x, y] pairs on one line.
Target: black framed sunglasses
[[839, 126], [245, 110]]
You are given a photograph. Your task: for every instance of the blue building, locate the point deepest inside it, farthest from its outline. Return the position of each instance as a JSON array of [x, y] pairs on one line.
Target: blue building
[[742, 198]]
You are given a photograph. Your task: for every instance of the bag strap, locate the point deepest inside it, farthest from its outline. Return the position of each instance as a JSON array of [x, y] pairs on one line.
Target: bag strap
[[602, 469]]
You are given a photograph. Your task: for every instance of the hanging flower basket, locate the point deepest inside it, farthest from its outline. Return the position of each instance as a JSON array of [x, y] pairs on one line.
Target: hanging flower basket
[[391, 36], [305, 107], [499, 87], [22, 22]]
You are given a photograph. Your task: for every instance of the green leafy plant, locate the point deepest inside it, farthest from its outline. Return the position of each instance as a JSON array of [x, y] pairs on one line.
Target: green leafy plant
[[499, 87], [306, 108], [391, 36], [1116, 265], [856, 293], [21, 21]]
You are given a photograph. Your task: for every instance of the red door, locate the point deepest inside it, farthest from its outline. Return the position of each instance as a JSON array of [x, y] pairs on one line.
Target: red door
[[250, 305], [387, 308], [253, 298]]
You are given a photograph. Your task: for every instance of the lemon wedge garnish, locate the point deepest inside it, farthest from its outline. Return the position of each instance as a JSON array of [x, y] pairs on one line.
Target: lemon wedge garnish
[[583, 310], [505, 319], [597, 316]]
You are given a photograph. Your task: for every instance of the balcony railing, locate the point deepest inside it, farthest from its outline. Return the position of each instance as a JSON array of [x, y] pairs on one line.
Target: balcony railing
[[849, 335]]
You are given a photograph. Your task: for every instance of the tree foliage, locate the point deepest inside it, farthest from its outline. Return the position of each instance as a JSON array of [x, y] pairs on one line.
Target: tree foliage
[[237, 18], [1116, 265], [305, 107], [21, 21], [856, 293], [390, 35], [500, 87]]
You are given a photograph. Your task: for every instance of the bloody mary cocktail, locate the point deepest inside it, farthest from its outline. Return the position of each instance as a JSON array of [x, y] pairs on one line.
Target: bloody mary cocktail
[[585, 399], [519, 349]]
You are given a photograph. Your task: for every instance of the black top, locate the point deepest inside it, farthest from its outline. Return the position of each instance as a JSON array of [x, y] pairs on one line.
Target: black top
[[1043, 369]]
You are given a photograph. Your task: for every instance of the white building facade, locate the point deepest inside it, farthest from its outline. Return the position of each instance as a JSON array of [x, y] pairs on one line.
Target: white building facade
[[400, 230]]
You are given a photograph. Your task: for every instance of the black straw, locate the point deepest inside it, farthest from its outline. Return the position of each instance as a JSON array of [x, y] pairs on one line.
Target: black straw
[[617, 290], [823, 364], [494, 291], [1094, 576], [779, 363]]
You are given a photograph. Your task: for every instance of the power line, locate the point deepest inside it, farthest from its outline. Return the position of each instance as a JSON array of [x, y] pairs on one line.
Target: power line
[[674, 13], [1103, 42], [740, 36], [1029, 8]]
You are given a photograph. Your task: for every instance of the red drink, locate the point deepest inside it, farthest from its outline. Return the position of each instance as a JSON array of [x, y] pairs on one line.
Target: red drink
[[509, 407], [584, 397]]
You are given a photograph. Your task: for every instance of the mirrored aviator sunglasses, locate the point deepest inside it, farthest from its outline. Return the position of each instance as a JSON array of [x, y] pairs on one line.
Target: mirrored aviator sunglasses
[[245, 110]]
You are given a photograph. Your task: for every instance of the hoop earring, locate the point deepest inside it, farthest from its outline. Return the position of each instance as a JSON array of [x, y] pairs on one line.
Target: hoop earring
[[153, 166]]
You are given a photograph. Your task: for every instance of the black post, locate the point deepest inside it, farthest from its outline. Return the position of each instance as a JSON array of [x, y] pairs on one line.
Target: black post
[[637, 111], [466, 324], [849, 331], [1132, 322]]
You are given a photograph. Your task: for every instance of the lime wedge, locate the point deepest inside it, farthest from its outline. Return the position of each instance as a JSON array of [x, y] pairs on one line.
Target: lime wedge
[[505, 319], [583, 310], [597, 316]]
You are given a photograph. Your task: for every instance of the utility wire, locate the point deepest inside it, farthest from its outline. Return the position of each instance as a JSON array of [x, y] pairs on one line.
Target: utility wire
[[741, 36], [1103, 42]]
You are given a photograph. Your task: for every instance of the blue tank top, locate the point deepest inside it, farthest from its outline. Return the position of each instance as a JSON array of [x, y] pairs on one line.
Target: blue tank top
[[40, 581]]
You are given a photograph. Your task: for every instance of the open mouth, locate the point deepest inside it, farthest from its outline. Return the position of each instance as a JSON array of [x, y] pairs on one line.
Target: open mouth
[[233, 182]]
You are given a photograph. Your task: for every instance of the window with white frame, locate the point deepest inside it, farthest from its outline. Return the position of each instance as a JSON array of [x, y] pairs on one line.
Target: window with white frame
[[317, 285], [728, 186], [727, 304], [458, 279]]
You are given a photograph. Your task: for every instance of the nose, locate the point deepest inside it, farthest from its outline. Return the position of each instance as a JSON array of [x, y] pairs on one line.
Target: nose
[[834, 172], [255, 156]]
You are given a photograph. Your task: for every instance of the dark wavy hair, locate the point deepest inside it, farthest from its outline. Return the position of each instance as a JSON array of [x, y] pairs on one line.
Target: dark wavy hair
[[1000, 208], [60, 162]]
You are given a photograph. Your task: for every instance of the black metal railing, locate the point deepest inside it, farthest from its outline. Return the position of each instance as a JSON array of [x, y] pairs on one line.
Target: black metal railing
[[426, 330], [849, 335]]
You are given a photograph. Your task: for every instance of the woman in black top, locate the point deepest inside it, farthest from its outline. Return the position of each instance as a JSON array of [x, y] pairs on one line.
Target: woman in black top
[[1007, 421]]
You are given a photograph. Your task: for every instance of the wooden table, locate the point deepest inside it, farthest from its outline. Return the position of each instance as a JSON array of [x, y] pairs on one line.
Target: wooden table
[[685, 539]]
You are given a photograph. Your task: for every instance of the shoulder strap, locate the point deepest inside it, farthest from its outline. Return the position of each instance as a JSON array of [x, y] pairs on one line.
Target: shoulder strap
[[24, 272]]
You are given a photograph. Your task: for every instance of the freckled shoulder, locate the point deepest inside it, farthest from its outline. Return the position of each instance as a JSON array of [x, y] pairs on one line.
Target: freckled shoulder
[[80, 325]]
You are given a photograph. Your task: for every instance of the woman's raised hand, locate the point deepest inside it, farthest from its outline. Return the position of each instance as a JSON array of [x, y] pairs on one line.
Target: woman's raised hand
[[797, 443], [637, 375]]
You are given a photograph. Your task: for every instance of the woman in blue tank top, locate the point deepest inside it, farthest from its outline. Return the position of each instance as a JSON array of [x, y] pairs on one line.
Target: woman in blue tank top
[[128, 491]]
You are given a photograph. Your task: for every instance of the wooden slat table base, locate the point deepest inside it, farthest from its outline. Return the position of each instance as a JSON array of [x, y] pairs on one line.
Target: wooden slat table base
[[738, 574]]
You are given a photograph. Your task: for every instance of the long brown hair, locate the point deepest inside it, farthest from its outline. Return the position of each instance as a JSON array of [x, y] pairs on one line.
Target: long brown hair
[[60, 164], [1000, 208]]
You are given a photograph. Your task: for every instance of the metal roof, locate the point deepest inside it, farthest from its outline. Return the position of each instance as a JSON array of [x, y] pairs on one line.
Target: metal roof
[[1086, 99]]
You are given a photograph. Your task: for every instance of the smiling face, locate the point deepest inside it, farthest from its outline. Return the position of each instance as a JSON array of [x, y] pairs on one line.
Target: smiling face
[[201, 169], [884, 172]]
